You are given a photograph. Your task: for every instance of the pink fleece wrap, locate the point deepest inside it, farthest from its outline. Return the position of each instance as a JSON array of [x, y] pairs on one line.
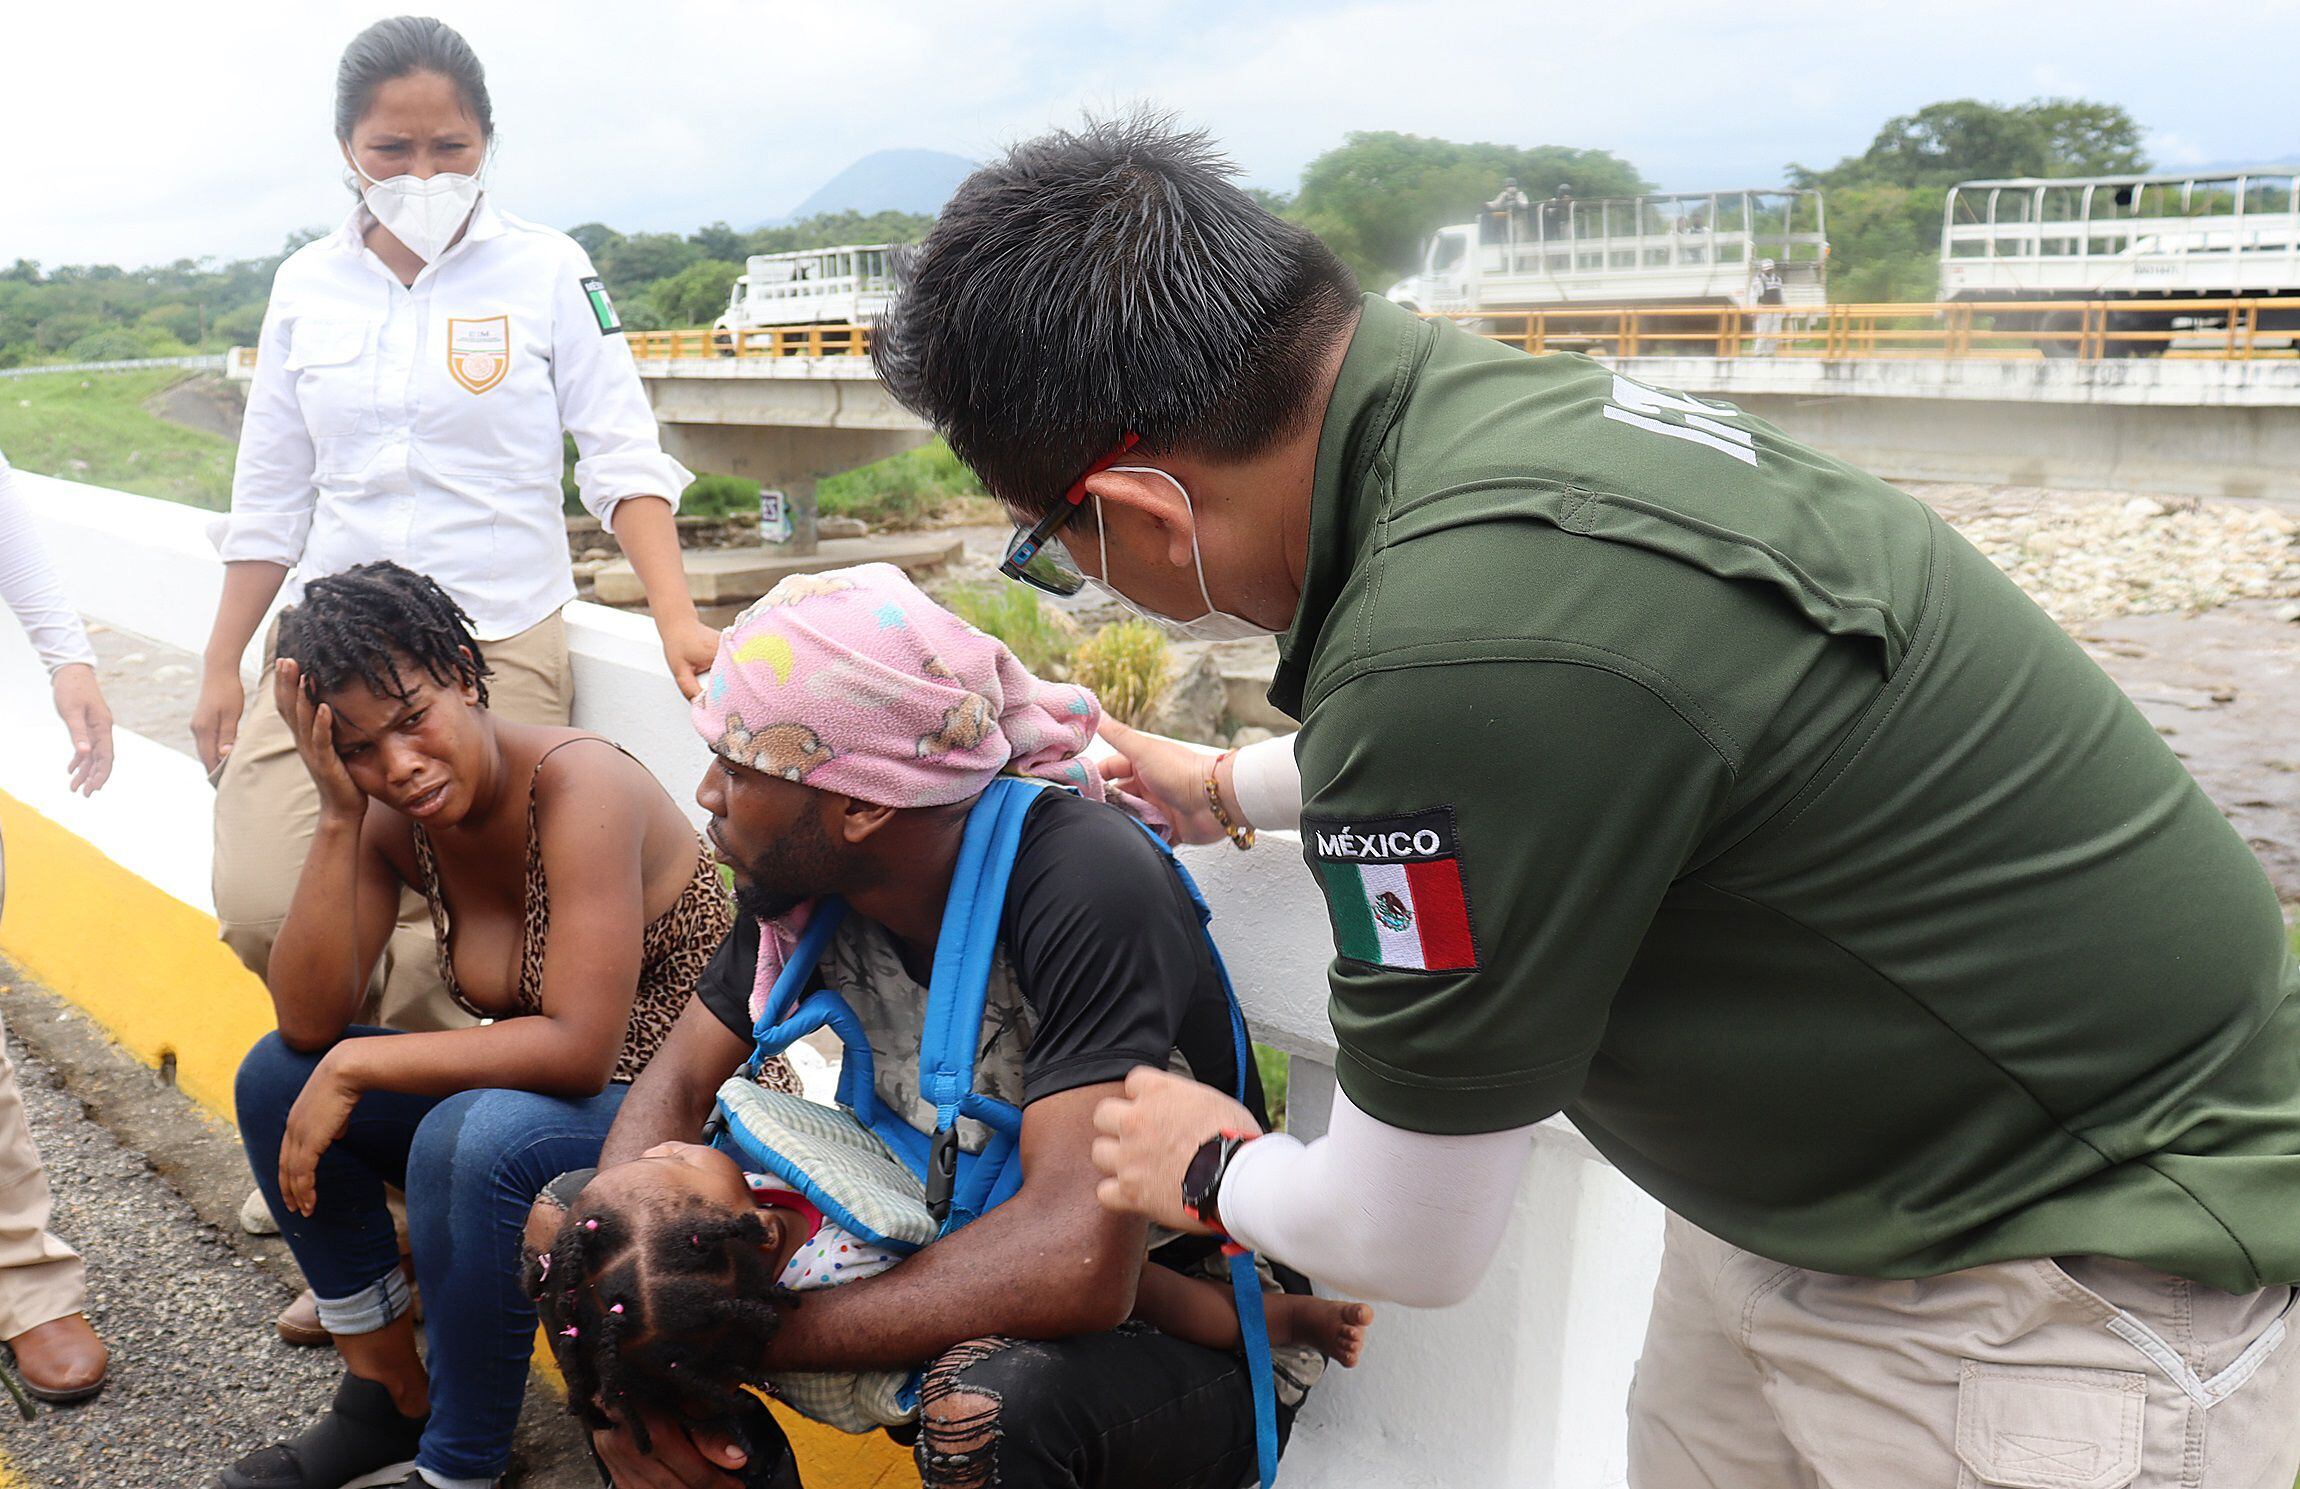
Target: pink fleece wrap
[[855, 682]]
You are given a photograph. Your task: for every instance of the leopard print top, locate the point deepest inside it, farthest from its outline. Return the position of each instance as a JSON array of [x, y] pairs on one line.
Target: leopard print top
[[678, 944]]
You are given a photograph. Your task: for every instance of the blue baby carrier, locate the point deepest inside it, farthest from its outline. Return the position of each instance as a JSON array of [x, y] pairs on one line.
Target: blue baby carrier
[[860, 1175]]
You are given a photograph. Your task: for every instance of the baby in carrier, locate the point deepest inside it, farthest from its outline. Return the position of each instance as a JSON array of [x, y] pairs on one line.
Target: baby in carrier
[[671, 1273]]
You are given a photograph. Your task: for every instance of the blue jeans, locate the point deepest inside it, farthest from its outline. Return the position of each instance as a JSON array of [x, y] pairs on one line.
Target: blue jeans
[[471, 1164]]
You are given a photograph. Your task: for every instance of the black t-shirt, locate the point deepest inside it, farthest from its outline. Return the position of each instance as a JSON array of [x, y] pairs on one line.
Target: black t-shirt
[[1104, 944]]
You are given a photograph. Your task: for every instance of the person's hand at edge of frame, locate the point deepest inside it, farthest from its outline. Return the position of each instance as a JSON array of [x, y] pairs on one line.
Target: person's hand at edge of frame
[[1170, 774], [1148, 1137], [689, 648], [80, 704], [216, 717]]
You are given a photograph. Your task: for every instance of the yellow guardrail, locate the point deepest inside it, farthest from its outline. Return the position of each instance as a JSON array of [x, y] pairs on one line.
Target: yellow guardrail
[[2267, 327], [2018, 329], [767, 341]]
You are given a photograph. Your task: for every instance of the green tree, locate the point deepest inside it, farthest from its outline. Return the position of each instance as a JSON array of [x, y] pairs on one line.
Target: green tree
[[597, 238], [239, 327], [719, 241], [2088, 139], [1379, 195], [1883, 244], [1964, 139], [57, 332], [175, 318], [836, 229], [1885, 203], [643, 258], [696, 294]]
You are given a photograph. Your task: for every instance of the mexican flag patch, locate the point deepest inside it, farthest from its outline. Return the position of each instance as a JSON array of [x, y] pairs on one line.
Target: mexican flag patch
[[602, 308], [1393, 886]]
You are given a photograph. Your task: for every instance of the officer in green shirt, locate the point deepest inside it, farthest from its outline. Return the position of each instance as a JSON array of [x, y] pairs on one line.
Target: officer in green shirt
[[1662, 771]]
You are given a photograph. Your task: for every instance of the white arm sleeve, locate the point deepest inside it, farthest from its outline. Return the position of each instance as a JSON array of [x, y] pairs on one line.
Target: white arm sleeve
[[1375, 1211], [1268, 784], [28, 583]]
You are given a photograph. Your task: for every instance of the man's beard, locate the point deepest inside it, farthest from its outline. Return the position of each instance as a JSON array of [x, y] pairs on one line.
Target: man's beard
[[759, 903], [802, 864]]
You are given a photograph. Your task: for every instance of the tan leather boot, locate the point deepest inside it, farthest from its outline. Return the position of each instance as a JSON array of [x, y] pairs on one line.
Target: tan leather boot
[[61, 1360]]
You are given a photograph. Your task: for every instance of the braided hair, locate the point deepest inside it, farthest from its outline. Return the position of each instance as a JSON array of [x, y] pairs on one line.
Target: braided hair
[[663, 1307], [363, 623]]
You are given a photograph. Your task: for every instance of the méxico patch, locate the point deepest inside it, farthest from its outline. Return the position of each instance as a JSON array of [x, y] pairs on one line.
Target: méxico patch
[[602, 308], [1393, 886]]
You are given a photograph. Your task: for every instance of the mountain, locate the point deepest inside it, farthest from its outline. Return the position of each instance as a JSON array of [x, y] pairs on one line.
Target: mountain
[[889, 181]]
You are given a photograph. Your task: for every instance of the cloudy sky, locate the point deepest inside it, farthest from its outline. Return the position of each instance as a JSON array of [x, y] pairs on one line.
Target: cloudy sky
[[140, 131]]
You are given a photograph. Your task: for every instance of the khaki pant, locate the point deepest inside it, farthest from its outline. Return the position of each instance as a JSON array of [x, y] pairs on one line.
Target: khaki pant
[[40, 1277], [2083, 1373], [267, 809]]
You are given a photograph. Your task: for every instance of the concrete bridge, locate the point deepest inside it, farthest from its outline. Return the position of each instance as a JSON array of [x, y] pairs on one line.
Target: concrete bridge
[[2200, 427]]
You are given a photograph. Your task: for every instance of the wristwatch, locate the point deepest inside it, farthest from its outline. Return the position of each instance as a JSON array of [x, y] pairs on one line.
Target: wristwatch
[[1202, 1180]]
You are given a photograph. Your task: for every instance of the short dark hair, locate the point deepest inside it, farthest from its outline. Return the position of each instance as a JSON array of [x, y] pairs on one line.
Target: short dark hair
[[1103, 281], [397, 47], [359, 625]]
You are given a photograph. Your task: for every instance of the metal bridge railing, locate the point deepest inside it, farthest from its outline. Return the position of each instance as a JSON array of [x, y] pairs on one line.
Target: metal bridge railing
[[2215, 329], [768, 341], [2218, 329]]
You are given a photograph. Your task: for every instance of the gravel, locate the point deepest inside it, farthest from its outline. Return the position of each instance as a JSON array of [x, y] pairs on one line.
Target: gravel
[[198, 1376], [2094, 555]]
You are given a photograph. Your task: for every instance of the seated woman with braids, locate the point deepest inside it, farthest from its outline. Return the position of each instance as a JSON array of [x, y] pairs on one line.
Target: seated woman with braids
[[575, 908]]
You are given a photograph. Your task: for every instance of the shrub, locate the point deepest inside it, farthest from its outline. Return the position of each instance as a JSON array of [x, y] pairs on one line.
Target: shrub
[[720, 496], [901, 491], [1042, 636], [1125, 665], [109, 344]]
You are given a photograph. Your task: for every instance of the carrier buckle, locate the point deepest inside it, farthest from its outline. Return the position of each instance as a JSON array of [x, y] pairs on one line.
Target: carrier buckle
[[942, 1174]]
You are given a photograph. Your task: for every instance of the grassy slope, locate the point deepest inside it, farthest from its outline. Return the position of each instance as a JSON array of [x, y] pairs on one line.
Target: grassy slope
[[101, 419]]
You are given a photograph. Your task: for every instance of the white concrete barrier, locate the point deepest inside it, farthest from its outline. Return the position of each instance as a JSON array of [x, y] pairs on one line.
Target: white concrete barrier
[[1521, 1387]]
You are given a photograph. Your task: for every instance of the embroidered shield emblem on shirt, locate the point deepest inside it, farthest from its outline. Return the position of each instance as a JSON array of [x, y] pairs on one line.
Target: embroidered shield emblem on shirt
[[479, 350]]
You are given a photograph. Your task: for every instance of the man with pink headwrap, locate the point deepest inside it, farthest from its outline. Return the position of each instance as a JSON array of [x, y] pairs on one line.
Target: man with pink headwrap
[[853, 723]]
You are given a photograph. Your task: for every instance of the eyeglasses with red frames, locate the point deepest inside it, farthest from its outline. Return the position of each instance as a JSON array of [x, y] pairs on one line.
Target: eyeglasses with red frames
[[1033, 556]]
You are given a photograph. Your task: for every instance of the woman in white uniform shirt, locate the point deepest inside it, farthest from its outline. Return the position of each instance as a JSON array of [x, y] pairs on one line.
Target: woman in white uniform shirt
[[416, 371]]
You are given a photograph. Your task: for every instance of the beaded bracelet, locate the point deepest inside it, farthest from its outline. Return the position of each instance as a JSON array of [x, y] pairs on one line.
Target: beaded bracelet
[[1240, 837]]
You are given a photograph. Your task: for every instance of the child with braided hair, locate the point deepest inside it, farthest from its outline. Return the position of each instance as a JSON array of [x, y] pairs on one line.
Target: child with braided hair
[[668, 1276]]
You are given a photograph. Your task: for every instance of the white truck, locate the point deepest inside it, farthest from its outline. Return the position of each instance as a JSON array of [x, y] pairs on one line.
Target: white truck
[[2225, 235], [1723, 248], [845, 286]]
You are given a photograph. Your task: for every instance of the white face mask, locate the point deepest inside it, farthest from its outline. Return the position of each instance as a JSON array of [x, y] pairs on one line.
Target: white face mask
[[423, 213], [1213, 625]]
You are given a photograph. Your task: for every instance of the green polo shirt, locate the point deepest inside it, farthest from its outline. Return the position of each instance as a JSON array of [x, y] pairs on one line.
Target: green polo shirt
[[1661, 770]]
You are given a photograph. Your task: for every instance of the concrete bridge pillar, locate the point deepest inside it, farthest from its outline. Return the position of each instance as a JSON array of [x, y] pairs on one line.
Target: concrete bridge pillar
[[789, 460], [786, 432]]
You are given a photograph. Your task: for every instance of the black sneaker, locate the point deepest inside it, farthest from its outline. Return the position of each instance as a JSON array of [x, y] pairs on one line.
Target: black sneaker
[[362, 1443]]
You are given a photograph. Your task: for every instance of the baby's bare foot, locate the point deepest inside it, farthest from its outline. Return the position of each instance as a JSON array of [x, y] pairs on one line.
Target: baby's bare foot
[[1334, 1328]]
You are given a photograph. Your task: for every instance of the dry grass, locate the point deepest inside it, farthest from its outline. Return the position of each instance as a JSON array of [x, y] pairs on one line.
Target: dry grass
[[1127, 665]]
